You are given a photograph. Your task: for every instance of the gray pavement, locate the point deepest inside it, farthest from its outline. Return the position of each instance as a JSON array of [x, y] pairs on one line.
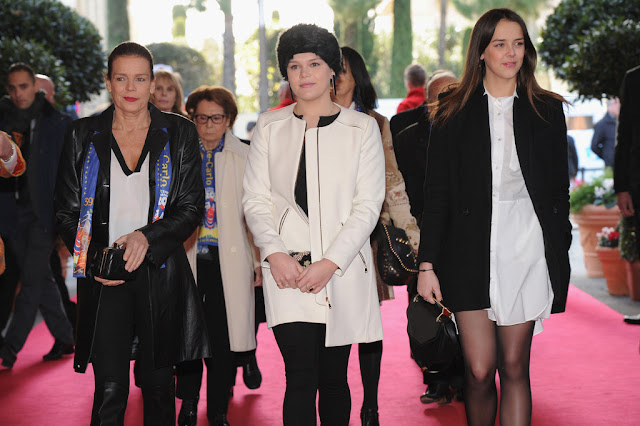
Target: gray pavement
[[596, 287]]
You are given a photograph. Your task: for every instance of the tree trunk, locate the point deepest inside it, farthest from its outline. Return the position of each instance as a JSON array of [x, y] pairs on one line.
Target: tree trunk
[[402, 50], [229, 43], [263, 86], [117, 22], [442, 41]]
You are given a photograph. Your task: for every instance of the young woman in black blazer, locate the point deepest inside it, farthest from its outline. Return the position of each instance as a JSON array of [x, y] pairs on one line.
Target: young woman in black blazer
[[495, 232]]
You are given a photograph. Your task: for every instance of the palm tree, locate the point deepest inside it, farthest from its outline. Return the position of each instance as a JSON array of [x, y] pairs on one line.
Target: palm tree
[[263, 86], [354, 25], [229, 46]]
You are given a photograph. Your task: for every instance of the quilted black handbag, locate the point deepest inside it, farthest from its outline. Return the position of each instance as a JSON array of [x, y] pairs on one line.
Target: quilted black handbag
[[433, 338], [396, 261]]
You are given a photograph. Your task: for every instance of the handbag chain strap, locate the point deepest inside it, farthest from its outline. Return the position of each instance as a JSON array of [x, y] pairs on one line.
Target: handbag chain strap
[[394, 252]]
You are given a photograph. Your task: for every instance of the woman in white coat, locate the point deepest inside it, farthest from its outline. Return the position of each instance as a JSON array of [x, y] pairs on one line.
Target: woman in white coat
[[226, 257], [314, 185]]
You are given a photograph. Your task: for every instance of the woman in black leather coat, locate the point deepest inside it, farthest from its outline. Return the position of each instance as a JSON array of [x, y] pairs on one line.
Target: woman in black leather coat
[[160, 304]]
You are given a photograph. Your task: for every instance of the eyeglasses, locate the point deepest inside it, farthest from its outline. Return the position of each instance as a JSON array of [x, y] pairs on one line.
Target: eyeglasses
[[203, 118]]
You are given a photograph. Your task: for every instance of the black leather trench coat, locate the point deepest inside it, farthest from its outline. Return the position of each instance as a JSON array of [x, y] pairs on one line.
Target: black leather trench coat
[[456, 221], [178, 329]]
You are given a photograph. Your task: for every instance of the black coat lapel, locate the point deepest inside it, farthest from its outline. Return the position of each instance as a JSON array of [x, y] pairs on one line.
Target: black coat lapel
[[101, 138], [158, 136]]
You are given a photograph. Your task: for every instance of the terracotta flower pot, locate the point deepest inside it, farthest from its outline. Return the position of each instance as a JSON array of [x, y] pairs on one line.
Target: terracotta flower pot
[[633, 278], [614, 271], [590, 221]]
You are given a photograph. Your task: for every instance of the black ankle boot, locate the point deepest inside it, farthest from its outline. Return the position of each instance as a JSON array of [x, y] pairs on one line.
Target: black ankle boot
[[369, 417], [109, 404], [159, 405], [219, 420], [188, 412], [251, 373]]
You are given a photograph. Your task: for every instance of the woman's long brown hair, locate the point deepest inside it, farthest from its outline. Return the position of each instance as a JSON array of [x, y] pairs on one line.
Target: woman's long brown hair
[[474, 69]]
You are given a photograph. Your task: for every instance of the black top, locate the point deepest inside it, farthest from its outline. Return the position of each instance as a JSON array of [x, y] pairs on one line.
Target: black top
[[300, 190]]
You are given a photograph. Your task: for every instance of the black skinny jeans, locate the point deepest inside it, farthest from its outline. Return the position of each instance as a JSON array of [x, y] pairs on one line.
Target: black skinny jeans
[[221, 368], [124, 310], [311, 367]]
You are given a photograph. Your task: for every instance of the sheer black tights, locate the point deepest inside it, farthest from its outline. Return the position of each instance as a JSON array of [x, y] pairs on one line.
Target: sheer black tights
[[488, 347]]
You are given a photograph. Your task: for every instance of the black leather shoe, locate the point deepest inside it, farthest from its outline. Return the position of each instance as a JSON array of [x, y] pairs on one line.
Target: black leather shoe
[[369, 417], [251, 374], [188, 412], [58, 350], [8, 356], [438, 392], [632, 319], [220, 420]]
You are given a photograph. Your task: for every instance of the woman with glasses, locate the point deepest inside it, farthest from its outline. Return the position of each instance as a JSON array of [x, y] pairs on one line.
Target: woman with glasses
[[225, 260], [314, 186]]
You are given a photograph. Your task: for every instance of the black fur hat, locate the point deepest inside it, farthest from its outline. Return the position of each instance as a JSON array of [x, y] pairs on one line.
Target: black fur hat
[[304, 38]]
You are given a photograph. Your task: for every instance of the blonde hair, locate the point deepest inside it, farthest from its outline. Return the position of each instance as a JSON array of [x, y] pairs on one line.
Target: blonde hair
[[174, 81]]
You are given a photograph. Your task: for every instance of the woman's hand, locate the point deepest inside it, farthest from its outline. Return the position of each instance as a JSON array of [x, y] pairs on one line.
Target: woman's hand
[[428, 284], [257, 282], [284, 269], [136, 246], [110, 283], [316, 276], [625, 204]]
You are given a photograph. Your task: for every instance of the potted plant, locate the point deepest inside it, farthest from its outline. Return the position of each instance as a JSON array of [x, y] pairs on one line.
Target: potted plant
[[629, 253], [612, 264], [593, 207]]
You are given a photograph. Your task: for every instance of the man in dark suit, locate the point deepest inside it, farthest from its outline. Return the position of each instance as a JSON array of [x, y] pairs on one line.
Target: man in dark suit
[[626, 174], [410, 131], [26, 216], [603, 141]]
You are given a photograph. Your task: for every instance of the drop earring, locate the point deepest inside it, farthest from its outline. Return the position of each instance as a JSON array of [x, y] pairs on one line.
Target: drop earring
[[293, 97], [333, 85]]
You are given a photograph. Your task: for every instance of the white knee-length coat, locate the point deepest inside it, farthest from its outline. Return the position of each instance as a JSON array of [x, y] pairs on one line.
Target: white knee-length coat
[[346, 187]]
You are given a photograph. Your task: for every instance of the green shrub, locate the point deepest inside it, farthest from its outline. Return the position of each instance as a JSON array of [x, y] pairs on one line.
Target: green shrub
[[591, 43], [190, 63], [62, 34]]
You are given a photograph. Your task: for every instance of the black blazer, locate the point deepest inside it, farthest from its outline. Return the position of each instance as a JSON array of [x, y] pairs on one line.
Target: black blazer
[[178, 328], [456, 221], [410, 133], [626, 173]]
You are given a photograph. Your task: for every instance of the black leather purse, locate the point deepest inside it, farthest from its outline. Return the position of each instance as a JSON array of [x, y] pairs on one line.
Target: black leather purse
[[396, 261], [109, 264], [433, 337]]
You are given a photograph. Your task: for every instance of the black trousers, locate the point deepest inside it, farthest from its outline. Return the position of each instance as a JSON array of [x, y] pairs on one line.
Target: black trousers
[[313, 368], [124, 310], [221, 368]]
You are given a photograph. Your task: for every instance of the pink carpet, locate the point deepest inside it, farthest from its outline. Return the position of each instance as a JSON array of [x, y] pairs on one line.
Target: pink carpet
[[585, 371]]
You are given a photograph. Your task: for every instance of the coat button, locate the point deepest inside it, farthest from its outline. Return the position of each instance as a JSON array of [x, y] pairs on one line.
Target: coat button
[[465, 211], [555, 210]]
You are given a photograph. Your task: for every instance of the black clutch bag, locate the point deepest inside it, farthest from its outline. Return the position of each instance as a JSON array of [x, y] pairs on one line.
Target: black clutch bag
[[109, 264], [433, 338], [396, 261]]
